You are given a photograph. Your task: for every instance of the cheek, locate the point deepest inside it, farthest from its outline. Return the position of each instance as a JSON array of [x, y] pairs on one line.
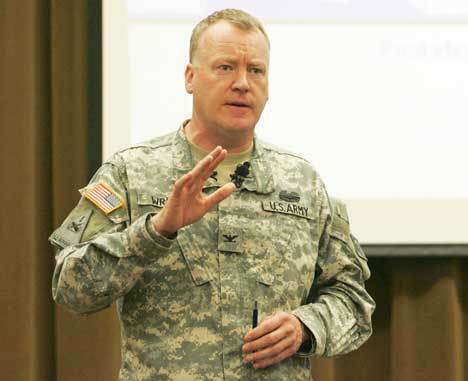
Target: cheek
[[263, 96], [262, 89]]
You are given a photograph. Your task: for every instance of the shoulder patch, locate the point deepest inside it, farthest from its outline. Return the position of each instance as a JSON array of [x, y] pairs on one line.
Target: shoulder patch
[[340, 228], [339, 207], [102, 195], [71, 232]]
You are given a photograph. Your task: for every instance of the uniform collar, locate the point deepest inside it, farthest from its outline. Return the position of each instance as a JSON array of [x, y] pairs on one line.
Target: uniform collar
[[260, 179]]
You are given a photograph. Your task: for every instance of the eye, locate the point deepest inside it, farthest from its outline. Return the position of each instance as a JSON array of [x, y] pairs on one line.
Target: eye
[[225, 67], [256, 70]]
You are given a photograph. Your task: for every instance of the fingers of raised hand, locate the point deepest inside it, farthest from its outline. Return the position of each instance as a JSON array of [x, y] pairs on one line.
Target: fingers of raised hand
[[218, 196], [181, 185], [217, 159], [199, 173], [205, 166], [194, 180]]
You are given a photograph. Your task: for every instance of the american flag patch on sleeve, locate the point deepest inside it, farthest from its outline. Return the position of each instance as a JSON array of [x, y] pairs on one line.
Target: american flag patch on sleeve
[[103, 197]]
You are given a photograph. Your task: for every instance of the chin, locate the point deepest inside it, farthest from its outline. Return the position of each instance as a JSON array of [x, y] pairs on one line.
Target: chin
[[239, 126]]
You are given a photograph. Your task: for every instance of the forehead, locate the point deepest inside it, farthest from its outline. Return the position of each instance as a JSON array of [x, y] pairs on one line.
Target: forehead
[[224, 38]]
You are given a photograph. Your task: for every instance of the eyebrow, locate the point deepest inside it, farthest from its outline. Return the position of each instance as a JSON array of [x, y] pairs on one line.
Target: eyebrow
[[231, 60]]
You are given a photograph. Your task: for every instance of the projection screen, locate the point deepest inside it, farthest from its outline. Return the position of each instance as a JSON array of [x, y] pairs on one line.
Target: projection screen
[[373, 93]]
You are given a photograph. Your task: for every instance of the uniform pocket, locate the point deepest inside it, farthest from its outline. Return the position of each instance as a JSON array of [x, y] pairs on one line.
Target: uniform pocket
[[269, 294], [284, 246]]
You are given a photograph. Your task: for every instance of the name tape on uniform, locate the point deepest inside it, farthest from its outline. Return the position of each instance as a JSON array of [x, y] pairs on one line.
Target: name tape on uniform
[[287, 208]]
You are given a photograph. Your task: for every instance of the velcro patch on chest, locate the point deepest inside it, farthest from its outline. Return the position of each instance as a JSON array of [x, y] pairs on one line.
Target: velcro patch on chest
[[146, 199], [104, 197], [287, 208], [231, 240], [159, 201]]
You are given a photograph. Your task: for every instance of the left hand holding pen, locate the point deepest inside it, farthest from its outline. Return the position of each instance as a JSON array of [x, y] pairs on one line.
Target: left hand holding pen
[[276, 338]]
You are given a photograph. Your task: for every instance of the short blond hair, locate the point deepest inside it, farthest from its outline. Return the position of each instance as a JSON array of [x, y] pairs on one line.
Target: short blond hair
[[236, 17]]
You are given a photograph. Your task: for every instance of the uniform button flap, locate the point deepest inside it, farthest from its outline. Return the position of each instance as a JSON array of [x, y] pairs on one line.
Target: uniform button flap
[[265, 277]]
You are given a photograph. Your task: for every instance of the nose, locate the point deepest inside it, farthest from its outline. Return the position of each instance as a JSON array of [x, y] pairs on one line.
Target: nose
[[241, 81]]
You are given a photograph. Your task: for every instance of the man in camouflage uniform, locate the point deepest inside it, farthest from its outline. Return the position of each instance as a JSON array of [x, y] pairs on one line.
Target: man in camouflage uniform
[[186, 255]]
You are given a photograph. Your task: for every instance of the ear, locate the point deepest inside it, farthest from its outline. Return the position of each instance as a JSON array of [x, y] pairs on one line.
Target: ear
[[189, 73]]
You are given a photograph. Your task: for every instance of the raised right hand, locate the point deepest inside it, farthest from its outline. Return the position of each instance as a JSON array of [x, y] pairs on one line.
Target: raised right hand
[[187, 203]]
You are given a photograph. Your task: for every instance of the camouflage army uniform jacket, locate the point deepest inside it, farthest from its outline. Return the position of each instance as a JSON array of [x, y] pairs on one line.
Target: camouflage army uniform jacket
[[185, 304]]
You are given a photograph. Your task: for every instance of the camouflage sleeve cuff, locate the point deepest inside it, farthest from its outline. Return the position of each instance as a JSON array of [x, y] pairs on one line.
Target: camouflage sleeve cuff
[[157, 237], [307, 347], [316, 328], [142, 243]]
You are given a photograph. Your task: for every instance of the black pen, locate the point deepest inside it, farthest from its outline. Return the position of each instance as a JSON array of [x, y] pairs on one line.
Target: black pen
[[255, 315]]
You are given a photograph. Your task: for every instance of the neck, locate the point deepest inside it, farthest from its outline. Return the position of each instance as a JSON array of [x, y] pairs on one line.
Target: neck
[[209, 140]]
